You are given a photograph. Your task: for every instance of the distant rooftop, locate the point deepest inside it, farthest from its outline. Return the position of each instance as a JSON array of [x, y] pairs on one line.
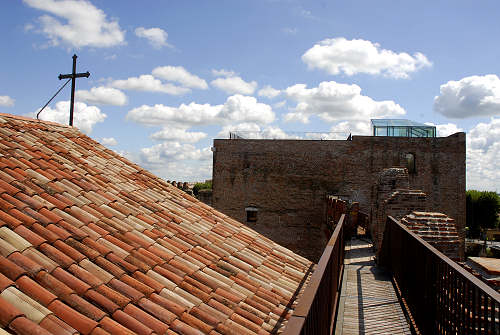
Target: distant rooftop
[[401, 128]]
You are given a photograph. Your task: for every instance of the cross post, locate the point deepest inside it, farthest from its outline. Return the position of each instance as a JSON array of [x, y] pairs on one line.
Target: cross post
[[73, 76]]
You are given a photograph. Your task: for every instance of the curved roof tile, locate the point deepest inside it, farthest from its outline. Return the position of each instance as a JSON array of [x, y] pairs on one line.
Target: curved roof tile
[[92, 243]]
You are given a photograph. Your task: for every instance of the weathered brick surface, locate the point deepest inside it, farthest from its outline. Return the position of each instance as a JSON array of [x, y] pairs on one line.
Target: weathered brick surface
[[399, 204], [287, 180]]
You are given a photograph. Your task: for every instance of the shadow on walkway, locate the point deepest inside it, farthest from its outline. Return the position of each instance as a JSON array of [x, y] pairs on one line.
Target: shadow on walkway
[[368, 302]]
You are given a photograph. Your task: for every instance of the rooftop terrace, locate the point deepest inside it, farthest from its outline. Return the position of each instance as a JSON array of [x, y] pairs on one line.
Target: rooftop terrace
[[401, 128]]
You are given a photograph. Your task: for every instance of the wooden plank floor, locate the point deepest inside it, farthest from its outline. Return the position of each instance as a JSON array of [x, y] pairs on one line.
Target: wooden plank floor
[[368, 302]]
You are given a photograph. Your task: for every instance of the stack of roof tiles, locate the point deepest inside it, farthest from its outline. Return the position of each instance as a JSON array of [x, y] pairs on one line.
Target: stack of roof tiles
[[91, 243], [437, 229]]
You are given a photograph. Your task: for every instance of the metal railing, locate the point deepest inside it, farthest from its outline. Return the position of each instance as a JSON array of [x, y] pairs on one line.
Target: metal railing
[[317, 307], [439, 296], [287, 135]]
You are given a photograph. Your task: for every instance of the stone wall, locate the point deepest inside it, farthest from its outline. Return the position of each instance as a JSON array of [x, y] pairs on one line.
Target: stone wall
[[287, 181]]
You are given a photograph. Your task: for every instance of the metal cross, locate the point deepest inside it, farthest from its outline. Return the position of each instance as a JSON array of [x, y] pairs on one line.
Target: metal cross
[[73, 76]]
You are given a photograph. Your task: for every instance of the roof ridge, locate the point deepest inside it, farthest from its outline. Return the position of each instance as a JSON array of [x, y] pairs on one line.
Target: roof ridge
[[25, 118]]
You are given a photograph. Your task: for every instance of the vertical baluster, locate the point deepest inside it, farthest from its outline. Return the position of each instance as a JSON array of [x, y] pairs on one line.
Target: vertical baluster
[[462, 305], [448, 301], [484, 313], [419, 293], [465, 307], [453, 306], [456, 299], [433, 290], [413, 290], [439, 294], [489, 321], [445, 299], [467, 302], [479, 311], [474, 311], [458, 305], [496, 318], [465, 297]]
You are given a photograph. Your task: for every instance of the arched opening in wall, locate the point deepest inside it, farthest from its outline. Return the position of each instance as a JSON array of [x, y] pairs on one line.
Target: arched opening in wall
[[251, 214], [410, 163]]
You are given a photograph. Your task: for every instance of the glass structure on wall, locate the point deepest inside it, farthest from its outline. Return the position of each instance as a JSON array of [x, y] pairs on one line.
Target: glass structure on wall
[[401, 128]]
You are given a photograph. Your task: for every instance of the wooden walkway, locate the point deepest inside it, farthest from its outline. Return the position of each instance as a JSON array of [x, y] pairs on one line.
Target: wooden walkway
[[368, 302]]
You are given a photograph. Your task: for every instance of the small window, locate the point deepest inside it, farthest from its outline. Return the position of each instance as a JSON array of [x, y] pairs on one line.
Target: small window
[[410, 163], [251, 214]]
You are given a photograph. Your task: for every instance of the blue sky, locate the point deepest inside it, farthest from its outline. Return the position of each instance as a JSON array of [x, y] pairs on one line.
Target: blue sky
[[169, 76]]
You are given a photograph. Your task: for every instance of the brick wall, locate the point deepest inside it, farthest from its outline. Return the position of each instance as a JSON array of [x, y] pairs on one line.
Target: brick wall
[[287, 180], [399, 204]]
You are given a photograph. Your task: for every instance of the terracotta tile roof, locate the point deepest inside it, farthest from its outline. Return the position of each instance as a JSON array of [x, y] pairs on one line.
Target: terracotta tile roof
[[91, 243]]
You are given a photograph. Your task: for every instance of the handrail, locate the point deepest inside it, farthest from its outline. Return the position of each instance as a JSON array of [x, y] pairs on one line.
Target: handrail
[[317, 307], [440, 296]]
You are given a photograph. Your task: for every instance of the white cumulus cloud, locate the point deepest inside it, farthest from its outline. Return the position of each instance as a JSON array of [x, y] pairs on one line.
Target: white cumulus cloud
[[175, 134], [269, 92], [446, 129], [233, 84], [354, 127], [6, 101], [475, 96], [190, 114], [109, 141], [180, 75], [169, 151], [237, 108], [102, 96], [334, 102], [338, 55], [251, 130], [157, 37], [76, 23], [223, 73], [175, 170], [280, 104], [148, 83], [254, 131], [483, 156], [84, 117]]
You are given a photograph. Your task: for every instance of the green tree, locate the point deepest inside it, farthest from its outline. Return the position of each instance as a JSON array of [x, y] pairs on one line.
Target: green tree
[[482, 211], [202, 186]]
